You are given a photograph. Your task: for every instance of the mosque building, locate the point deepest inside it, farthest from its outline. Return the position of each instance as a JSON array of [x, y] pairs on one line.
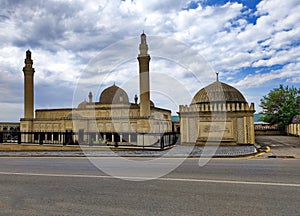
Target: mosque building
[[218, 114], [113, 118]]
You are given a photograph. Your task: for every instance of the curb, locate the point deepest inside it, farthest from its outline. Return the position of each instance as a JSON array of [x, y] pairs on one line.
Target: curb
[[121, 152], [260, 152]]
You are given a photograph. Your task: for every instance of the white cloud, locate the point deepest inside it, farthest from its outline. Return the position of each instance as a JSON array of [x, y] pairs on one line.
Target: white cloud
[[11, 111], [291, 72], [280, 57]]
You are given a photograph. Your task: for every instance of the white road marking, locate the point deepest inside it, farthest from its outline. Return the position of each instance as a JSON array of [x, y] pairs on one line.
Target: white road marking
[[158, 179]]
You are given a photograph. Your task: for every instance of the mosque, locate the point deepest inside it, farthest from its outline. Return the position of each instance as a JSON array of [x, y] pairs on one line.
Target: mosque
[[113, 118], [218, 114]]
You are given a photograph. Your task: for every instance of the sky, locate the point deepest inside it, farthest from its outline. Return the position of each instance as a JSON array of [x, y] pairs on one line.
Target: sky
[[84, 45]]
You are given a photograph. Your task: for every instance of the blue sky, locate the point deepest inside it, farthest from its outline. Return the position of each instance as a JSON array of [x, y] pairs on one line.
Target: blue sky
[[253, 44]]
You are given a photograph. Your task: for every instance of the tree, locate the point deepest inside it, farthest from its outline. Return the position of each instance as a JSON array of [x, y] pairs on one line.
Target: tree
[[281, 105]]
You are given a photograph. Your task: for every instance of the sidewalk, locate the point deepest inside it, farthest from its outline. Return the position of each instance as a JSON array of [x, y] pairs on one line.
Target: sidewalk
[[280, 147], [46, 147], [90, 151]]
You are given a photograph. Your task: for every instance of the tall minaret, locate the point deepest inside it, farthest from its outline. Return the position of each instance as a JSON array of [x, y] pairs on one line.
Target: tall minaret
[[90, 97], [144, 59], [28, 87]]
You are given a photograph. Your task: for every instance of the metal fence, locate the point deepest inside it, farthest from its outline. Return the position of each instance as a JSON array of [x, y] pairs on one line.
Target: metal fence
[[113, 139]]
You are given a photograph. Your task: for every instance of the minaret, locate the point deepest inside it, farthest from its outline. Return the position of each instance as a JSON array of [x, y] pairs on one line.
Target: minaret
[[144, 59], [28, 87], [90, 97]]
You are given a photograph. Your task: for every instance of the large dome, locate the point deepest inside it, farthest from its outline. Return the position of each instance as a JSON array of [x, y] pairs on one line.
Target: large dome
[[218, 92], [114, 95]]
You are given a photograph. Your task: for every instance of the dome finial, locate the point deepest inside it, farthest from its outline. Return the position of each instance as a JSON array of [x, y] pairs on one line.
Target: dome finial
[[217, 73], [135, 99]]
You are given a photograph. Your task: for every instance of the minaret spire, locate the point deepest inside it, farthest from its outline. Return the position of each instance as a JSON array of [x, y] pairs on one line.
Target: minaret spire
[[143, 45], [217, 73]]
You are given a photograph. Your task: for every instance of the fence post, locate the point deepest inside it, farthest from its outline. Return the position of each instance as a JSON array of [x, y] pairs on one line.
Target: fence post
[[162, 142], [41, 139], [19, 138], [91, 140]]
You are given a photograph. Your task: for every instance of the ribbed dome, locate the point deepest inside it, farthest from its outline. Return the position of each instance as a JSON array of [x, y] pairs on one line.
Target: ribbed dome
[[114, 95], [82, 105], [218, 92]]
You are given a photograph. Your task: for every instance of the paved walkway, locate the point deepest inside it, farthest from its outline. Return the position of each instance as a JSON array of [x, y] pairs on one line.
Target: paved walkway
[[177, 151], [280, 146]]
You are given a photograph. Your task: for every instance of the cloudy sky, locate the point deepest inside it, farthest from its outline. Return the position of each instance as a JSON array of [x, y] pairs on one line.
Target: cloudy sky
[[81, 46]]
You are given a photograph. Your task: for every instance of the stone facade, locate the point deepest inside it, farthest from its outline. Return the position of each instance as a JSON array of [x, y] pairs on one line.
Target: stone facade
[[111, 118], [218, 114]]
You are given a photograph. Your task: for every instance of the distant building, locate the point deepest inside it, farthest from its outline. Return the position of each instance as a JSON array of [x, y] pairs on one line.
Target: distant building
[[176, 124], [9, 126], [9, 131]]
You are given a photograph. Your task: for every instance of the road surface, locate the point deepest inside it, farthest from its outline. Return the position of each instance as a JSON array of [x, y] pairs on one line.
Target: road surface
[[74, 186], [281, 146]]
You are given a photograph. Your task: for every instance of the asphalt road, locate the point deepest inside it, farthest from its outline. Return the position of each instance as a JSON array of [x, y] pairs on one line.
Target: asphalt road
[[74, 186], [278, 141], [281, 146]]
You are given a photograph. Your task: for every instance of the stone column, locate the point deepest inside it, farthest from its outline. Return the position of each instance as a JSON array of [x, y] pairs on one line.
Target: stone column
[[144, 59], [28, 71]]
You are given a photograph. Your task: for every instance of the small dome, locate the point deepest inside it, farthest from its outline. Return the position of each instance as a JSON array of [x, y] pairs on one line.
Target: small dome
[[82, 105], [114, 95], [218, 92]]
